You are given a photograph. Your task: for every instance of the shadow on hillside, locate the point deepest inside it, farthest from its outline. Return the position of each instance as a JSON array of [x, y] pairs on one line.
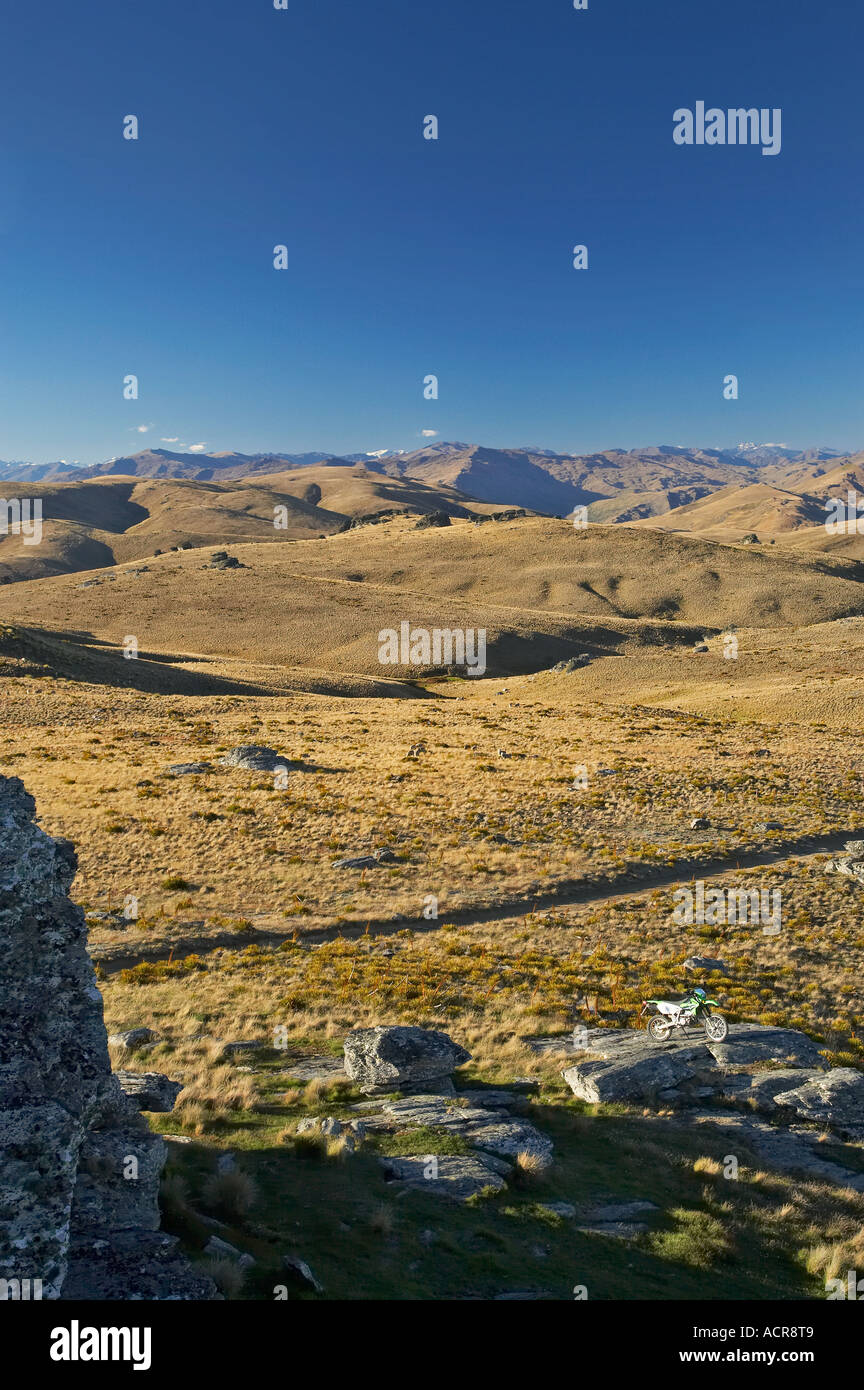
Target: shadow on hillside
[[77, 655], [566, 894]]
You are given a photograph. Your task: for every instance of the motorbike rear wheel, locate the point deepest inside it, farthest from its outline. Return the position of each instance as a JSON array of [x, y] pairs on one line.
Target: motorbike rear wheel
[[659, 1028]]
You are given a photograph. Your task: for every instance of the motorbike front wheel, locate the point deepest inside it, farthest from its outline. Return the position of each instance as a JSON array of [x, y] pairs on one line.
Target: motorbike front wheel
[[716, 1027], [659, 1028]]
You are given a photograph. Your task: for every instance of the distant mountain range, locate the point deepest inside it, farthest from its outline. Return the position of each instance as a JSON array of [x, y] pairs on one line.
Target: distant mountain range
[[767, 490], [642, 482]]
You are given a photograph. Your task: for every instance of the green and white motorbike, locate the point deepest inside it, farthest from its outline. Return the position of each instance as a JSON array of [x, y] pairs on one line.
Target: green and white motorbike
[[686, 1011]]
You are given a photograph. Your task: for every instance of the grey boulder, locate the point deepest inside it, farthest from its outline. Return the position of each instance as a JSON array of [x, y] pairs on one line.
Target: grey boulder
[[133, 1037], [400, 1058], [149, 1090], [255, 758]]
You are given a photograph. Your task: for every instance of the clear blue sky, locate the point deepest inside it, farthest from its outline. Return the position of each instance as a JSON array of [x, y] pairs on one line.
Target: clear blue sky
[[410, 257]]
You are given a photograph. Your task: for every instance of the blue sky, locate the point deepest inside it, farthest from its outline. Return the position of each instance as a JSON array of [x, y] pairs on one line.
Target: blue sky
[[408, 256]]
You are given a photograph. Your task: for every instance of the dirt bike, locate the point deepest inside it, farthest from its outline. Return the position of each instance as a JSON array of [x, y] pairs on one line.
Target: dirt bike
[[685, 1011]]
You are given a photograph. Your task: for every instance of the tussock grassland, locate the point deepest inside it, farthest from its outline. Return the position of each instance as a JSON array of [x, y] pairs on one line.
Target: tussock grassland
[[494, 796]]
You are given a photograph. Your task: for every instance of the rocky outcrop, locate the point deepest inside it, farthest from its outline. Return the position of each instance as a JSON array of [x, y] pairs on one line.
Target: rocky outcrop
[[755, 1084], [401, 1059], [850, 863], [79, 1168], [625, 1064]]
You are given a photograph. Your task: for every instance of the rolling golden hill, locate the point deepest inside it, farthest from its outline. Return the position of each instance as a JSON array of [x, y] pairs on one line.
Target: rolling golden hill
[[112, 520], [542, 589]]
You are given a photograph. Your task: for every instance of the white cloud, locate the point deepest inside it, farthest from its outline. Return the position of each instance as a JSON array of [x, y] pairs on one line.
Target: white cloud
[[197, 448], [427, 434], [170, 439], [142, 429]]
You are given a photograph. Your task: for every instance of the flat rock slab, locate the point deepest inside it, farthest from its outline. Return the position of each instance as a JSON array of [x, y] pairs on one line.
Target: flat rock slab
[[834, 1098], [323, 1068], [788, 1150], [618, 1211], [615, 1230], [762, 1088], [244, 1045], [188, 769], [493, 1131], [491, 1099], [458, 1176], [747, 1044]]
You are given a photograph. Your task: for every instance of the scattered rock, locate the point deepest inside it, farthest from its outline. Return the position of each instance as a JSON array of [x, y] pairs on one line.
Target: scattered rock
[[150, 1090], [700, 823], [614, 1230], [221, 560], [367, 861], [223, 1251], [706, 965], [572, 663], [134, 1037], [701, 647], [237, 1049], [432, 519], [293, 1265], [187, 769]]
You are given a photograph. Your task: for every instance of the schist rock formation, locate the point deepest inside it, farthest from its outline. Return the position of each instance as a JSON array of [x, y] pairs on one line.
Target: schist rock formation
[[79, 1167]]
